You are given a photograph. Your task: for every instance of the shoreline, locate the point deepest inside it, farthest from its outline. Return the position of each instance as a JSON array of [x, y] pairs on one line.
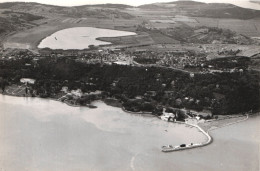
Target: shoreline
[[228, 124], [208, 142], [139, 113], [145, 152], [205, 132]]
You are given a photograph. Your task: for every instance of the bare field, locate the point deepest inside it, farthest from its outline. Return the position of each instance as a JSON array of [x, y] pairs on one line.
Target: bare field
[[150, 13], [140, 39], [249, 28], [29, 39], [163, 19], [245, 50], [161, 39]]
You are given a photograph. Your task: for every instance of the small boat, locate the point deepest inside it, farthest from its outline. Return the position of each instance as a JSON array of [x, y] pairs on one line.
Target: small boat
[[170, 148]]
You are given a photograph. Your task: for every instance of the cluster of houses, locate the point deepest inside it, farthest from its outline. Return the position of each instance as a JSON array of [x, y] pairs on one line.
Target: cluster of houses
[[105, 57], [174, 59], [74, 95], [191, 117], [180, 59]]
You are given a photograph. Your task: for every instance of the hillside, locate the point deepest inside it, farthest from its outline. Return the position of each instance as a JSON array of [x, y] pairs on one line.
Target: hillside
[[189, 8], [104, 11], [255, 1], [170, 4], [217, 10], [12, 21], [207, 35], [210, 10]]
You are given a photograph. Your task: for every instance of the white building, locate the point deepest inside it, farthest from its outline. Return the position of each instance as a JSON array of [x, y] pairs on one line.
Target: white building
[[77, 92], [167, 116], [65, 89], [27, 80]]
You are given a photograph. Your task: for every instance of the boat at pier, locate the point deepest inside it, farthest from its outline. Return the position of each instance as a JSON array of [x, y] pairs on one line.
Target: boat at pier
[[170, 148]]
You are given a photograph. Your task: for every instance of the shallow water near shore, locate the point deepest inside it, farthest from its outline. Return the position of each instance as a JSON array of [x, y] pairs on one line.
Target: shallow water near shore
[[41, 134]]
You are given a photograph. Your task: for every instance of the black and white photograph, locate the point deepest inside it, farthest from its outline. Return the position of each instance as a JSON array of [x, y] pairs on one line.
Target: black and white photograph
[[127, 85]]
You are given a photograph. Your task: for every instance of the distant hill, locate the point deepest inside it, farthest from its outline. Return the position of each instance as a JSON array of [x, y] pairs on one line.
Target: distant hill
[[254, 1], [14, 5], [31, 7], [185, 3], [173, 4], [189, 8], [211, 10], [219, 10], [150, 6], [105, 11], [118, 6]]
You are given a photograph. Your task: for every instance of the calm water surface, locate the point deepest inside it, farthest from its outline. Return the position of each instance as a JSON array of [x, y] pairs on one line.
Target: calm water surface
[[80, 38], [40, 134]]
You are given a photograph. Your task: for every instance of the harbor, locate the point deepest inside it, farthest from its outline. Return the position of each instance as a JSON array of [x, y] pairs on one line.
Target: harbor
[[171, 148]]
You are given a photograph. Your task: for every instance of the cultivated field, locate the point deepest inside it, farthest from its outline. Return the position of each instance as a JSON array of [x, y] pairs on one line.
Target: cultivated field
[[168, 19], [249, 28]]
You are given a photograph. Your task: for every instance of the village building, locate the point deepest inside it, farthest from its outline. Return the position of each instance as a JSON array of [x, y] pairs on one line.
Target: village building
[[168, 116], [65, 89], [27, 81], [77, 93]]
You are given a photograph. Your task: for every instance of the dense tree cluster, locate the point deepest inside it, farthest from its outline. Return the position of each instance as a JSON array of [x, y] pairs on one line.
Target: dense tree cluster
[[140, 88]]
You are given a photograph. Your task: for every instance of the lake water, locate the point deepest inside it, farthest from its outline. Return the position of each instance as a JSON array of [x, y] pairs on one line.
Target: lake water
[[80, 38], [40, 134]]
